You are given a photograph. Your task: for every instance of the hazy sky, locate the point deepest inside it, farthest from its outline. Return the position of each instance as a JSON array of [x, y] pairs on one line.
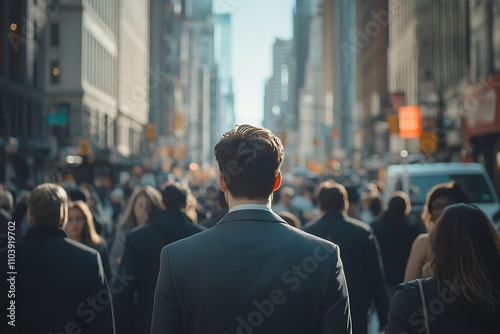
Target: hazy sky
[[256, 24]]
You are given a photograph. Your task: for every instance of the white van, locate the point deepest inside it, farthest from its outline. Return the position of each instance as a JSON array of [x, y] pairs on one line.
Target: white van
[[417, 179]]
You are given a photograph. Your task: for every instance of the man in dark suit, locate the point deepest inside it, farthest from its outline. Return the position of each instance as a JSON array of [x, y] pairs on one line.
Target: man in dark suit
[[54, 284], [141, 259], [359, 251], [251, 272]]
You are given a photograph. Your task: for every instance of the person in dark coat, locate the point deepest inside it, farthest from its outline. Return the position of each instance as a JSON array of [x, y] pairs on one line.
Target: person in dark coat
[[395, 236], [251, 272], [56, 285], [141, 259], [221, 210], [359, 251], [463, 294]]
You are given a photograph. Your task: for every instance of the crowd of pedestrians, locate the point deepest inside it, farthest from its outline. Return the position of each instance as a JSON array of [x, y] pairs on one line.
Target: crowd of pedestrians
[[252, 255]]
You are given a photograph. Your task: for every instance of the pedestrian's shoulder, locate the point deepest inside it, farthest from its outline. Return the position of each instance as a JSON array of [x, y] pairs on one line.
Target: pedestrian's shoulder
[[139, 232], [313, 225], [79, 247], [306, 238], [196, 227], [359, 225]]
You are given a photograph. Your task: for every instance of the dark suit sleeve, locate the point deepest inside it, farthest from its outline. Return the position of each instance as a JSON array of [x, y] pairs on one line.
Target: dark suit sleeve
[[103, 251], [103, 323], [376, 274], [336, 313], [124, 294], [167, 316]]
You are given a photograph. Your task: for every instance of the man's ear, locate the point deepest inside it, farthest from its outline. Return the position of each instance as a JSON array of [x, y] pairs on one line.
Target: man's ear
[[222, 182], [277, 182]]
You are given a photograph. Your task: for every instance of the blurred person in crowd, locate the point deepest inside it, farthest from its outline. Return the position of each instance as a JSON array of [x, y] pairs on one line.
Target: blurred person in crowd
[[284, 203], [7, 201], [19, 215], [395, 236], [290, 218], [80, 227], [103, 225], [359, 251], [60, 284], [141, 259], [438, 198], [371, 204], [304, 203], [353, 199], [118, 204], [250, 262], [81, 194], [463, 295], [191, 208], [142, 202], [221, 209]]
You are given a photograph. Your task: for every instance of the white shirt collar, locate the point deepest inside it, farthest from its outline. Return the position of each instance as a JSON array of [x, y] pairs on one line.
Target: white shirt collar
[[250, 207]]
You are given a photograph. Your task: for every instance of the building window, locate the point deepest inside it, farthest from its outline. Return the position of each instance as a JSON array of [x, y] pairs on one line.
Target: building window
[[54, 34], [55, 73]]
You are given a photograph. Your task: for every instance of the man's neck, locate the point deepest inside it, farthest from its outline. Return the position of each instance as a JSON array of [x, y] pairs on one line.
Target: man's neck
[[232, 202]]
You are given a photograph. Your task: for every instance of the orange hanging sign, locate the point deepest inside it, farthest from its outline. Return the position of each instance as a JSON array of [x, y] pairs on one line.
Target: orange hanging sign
[[410, 122]]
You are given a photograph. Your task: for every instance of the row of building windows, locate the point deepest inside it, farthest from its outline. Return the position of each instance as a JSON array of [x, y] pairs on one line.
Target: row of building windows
[[99, 66], [107, 133], [107, 11]]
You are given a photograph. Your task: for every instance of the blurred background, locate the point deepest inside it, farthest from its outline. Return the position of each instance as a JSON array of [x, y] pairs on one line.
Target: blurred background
[[99, 90]]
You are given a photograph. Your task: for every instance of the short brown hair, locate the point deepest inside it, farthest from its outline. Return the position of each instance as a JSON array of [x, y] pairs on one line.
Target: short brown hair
[[47, 204], [250, 159], [332, 197]]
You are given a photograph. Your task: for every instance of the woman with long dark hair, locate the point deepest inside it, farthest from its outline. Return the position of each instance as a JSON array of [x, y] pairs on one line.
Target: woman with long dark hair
[[141, 203], [80, 227], [463, 296]]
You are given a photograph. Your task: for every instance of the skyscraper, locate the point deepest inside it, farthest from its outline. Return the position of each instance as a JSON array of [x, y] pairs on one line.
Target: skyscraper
[[24, 126], [225, 118]]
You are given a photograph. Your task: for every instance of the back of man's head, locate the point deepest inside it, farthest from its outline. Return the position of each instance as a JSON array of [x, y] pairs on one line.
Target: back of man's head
[[332, 197], [174, 196], [250, 159], [48, 205]]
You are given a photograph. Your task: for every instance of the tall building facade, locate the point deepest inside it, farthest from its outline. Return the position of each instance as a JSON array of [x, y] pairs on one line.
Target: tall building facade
[[480, 103], [428, 62], [82, 63], [97, 60], [199, 81], [313, 137], [372, 29], [133, 79], [345, 79], [166, 94], [225, 118], [301, 25], [24, 125]]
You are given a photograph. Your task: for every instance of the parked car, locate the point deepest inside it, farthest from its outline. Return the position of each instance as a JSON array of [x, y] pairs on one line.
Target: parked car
[[417, 179]]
